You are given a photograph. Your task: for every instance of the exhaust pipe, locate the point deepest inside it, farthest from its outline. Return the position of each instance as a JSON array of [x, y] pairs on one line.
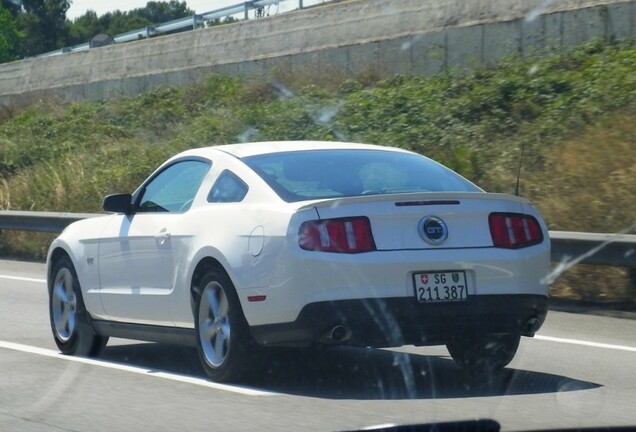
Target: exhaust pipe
[[532, 325], [336, 334]]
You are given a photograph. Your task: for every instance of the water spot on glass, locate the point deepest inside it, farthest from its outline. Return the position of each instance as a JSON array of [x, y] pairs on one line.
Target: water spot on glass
[[283, 92], [408, 44], [534, 13], [247, 134], [387, 8], [327, 114]]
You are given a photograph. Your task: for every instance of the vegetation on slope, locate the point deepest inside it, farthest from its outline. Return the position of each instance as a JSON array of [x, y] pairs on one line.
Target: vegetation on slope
[[572, 113]]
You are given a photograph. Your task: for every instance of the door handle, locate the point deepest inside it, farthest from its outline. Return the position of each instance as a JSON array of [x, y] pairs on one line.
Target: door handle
[[162, 236]]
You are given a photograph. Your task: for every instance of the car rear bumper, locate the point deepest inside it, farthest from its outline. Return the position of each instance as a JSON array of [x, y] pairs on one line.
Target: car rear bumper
[[301, 278], [390, 322]]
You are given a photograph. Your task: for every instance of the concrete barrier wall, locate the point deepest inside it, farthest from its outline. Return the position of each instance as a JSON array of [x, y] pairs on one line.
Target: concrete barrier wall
[[387, 37]]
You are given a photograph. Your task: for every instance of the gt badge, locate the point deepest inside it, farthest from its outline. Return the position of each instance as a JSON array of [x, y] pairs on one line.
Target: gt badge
[[433, 230]]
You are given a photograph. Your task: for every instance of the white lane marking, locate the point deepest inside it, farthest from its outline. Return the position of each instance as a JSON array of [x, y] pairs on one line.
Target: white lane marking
[[135, 369], [586, 343], [22, 279]]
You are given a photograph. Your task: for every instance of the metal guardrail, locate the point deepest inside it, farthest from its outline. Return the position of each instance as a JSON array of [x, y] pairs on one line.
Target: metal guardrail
[[187, 23], [618, 250], [47, 222]]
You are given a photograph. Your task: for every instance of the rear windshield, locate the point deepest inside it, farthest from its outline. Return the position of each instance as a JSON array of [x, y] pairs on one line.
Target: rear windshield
[[315, 174]]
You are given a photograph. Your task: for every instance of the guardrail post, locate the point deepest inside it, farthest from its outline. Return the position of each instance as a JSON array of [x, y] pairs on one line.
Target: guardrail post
[[247, 9], [300, 4]]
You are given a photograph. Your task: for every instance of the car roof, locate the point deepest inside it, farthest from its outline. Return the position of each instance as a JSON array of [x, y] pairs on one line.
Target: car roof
[[268, 147]]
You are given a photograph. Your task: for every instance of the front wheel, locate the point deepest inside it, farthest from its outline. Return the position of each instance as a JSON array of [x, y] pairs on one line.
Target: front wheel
[[487, 354], [223, 338], [70, 321]]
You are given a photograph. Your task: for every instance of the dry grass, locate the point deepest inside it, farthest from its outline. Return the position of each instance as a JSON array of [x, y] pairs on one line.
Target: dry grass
[[589, 184]]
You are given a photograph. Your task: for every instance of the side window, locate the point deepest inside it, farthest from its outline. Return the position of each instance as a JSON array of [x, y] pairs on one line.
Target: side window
[[227, 188], [174, 188]]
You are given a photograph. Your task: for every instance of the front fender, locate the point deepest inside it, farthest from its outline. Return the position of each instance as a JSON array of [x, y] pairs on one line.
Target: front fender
[[80, 241]]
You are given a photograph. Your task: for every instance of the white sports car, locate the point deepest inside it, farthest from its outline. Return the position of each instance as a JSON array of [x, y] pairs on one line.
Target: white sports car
[[238, 247]]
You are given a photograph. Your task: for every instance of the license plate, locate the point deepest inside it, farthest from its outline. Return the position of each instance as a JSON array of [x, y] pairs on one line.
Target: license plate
[[441, 287]]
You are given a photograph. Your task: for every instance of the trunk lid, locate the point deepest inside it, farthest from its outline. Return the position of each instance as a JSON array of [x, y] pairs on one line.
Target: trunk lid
[[412, 221]]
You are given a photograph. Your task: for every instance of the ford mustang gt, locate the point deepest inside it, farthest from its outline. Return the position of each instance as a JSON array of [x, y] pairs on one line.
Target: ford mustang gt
[[240, 247]]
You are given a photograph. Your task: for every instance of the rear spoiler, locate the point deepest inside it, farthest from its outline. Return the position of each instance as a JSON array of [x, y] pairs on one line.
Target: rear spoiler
[[413, 197]]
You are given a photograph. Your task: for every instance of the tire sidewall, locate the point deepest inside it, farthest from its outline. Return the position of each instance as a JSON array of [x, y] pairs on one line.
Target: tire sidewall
[[234, 365], [83, 341], [69, 346]]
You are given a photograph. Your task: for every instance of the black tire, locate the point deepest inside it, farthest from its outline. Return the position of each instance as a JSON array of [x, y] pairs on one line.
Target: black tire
[[226, 348], [484, 354], [70, 321]]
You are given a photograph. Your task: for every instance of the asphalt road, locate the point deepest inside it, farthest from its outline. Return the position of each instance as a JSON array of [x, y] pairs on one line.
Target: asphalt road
[[579, 371]]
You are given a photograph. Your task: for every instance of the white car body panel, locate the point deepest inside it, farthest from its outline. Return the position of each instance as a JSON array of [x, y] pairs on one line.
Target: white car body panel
[[80, 242], [239, 250], [138, 260]]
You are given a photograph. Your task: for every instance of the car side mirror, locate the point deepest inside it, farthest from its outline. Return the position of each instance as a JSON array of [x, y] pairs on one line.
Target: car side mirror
[[118, 203]]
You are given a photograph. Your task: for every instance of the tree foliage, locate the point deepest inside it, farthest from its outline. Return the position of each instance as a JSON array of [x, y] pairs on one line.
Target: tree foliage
[[43, 23], [158, 12], [32, 27], [10, 36]]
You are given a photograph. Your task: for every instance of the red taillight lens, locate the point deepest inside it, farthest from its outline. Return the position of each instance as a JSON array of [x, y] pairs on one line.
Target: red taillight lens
[[349, 235], [514, 230]]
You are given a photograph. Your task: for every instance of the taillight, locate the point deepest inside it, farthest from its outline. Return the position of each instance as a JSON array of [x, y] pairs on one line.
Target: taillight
[[514, 230], [346, 235]]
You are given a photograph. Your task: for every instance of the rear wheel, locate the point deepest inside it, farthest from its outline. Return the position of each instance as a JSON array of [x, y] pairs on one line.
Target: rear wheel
[[485, 354], [70, 322], [223, 338]]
